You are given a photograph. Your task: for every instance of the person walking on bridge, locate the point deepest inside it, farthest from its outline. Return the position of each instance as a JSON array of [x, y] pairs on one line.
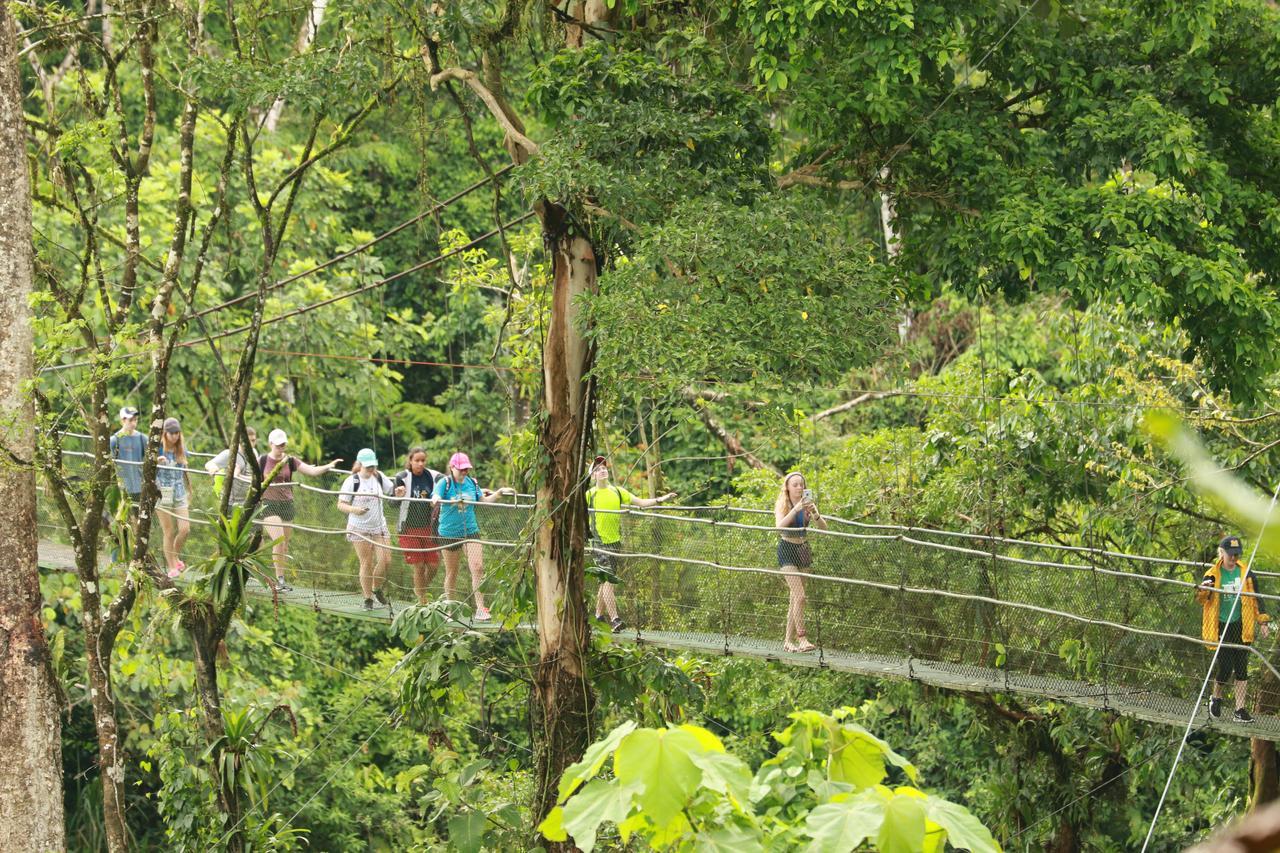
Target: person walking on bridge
[[606, 501], [457, 494], [794, 512], [128, 449], [361, 499], [418, 517], [1232, 613], [277, 469], [220, 465], [173, 507]]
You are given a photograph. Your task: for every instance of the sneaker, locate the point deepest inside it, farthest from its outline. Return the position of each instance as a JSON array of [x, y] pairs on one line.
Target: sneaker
[[368, 604], [381, 596], [617, 624], [482, 615], [1242, 715], [281, 586], [181, 566], [1215, 708], [174, 571], [602, 619]]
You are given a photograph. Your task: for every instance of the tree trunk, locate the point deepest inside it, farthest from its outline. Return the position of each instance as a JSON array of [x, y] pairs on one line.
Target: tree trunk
[[563, 696], [30, 730], [1264, 772], [306, 35], [893, 248]]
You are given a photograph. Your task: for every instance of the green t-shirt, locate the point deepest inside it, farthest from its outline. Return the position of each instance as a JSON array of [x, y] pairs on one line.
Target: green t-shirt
[[1227, 599], [607, 524]]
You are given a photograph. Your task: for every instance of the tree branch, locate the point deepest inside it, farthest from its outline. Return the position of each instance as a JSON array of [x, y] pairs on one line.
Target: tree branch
[[490, 101], [855, 402]]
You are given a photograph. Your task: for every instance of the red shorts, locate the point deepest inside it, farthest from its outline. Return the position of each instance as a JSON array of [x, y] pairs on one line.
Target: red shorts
[[419, 538]]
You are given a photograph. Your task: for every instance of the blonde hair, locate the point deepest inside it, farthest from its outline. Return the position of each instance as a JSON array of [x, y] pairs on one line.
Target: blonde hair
[[783, 504], [179, 449]]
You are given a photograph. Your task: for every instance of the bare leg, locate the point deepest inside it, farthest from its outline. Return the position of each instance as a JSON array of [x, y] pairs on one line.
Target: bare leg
[[167, 525], [451, 557], [364, 553], [380, 557], [181, 515], [475, 562], [795, 608], [274, 527], [1217, 690], [606, 601], [1241, 688]]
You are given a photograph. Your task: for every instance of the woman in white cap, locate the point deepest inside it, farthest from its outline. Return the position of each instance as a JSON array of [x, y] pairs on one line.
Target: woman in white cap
[[458, 493], [361, 499], [173, 505], [277, 469]]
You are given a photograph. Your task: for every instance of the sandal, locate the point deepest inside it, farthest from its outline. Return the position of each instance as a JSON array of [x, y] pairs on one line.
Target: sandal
[[804, 646]]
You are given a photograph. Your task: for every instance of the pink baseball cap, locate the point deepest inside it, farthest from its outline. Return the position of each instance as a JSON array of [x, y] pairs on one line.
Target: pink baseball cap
[[460, 461]]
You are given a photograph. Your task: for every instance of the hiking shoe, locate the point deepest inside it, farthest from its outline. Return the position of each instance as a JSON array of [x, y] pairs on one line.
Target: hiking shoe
[[602, 619], [281, 586], [1242, 715], [617, 624], [368, 604], [482, 615], [1215, 708], [381, 596]]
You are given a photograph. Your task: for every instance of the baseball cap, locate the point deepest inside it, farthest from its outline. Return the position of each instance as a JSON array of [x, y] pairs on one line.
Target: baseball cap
[[128, 412], [172, 425], [367, 457], [277, 436], [600, 460], [460, 461], [1231, 544]]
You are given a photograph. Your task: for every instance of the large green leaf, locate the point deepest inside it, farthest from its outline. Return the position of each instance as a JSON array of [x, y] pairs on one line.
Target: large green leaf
[[843, 824], [903, 827], [466, 831], [594, 758], [659, 760], [598, 801], [858, 757], [963, 829], [729, 839], [726, 774]]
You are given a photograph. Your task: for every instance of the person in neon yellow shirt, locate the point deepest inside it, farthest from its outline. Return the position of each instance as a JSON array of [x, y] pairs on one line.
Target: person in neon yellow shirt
[[605, 500]]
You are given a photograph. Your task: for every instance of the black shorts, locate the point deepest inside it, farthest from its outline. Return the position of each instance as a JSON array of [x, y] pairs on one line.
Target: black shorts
[[795, 554], [606, 555], [452, 543], [1233, 664], [284, 510]]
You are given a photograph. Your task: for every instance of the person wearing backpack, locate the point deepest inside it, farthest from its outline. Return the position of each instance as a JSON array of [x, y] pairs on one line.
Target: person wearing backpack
[[361, 499], [605, 501], [219, 465], [128, 449], [418, 516], [277, 469], [457, 494]]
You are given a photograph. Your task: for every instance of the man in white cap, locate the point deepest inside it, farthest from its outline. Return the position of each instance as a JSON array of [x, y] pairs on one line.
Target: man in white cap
[[128, 449], [277, 469]]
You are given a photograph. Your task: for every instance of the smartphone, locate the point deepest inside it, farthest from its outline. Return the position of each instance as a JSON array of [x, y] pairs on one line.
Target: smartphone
[[808, 495]]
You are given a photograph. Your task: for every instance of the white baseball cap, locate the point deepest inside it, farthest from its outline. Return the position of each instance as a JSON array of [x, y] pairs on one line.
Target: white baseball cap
[[278, 437], [128, 412]]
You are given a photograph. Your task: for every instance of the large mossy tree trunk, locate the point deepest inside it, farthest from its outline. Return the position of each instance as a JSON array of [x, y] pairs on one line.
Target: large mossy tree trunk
[[30, 731]]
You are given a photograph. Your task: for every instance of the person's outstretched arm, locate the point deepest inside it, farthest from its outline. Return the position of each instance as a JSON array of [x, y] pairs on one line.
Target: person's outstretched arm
[[317, 470], [494, 495], [643, 502]]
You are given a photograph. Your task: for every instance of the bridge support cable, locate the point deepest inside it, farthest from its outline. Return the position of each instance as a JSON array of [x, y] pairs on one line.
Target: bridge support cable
[[1195, 709]]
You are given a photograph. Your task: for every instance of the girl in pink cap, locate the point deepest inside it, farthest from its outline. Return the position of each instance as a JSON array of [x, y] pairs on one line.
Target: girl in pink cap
[[458, 493]]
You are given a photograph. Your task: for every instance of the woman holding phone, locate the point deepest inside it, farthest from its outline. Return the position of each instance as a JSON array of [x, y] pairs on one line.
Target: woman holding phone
[[793, 513]]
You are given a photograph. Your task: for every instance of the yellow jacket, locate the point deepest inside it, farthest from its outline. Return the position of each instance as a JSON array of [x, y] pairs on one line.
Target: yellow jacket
[[1250, 606]]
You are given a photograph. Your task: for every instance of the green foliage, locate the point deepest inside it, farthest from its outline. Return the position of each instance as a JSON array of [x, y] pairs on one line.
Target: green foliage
[[677, 788]]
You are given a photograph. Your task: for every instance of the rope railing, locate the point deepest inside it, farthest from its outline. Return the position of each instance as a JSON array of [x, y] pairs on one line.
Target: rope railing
[[1100, 628]]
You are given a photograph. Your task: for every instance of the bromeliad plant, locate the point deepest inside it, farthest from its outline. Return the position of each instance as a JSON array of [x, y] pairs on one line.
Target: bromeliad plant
[[677, 788]]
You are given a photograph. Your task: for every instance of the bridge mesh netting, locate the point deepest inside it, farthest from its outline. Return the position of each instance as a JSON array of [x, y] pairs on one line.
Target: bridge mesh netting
[[1090, 627]]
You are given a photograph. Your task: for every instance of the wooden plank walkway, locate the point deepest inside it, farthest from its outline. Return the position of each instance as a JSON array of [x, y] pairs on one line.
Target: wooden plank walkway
[[1123, 699]]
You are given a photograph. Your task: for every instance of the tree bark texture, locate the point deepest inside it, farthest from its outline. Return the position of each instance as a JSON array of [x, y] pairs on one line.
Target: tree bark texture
[[563, 697], [1264, 771], [30, 731]]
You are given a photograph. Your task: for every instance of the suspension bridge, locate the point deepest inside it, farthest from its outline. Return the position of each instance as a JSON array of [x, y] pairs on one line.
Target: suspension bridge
[[1090, 627]]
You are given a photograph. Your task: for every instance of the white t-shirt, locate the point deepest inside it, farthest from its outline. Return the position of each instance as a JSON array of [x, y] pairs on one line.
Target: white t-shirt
[[360, 491]]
